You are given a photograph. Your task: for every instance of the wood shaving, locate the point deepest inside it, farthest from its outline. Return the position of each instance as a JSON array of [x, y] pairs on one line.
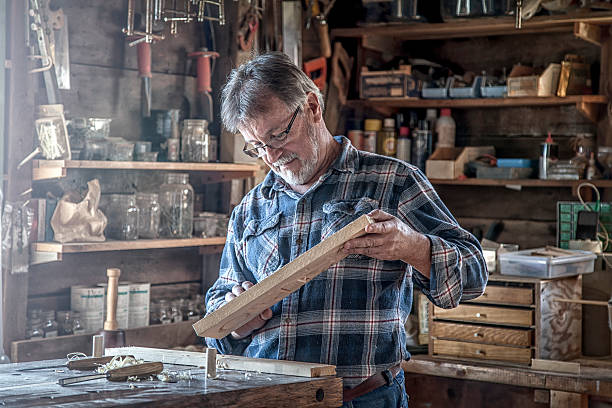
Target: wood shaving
[[118, 362]]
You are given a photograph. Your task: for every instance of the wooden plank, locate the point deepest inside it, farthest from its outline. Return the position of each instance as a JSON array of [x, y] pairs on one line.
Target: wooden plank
[[281, 283], [486, 314], [481, 334], [284, 367], [506, 295], [476, 27], [80, 247], [391, 102], [482, 351], [206, 359], [555, 365], [166, 335], [588, 32], [136, 165], [519, 182], [561, 399]]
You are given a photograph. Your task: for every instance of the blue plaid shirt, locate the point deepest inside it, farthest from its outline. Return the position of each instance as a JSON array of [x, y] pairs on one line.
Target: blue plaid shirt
[[352, 315]]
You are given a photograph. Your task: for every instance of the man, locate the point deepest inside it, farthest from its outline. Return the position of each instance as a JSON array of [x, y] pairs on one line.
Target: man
[[352, 315]]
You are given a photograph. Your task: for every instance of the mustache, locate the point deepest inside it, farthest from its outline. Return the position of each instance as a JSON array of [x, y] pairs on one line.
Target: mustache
[[284, 159]]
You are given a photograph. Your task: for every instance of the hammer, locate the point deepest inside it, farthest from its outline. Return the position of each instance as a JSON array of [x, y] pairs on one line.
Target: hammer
[[113, 337]]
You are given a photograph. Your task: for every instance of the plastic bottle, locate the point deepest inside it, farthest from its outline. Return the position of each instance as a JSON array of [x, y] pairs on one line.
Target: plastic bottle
[[445, 128], [431, 116], [419, 145], [404, 144], [372, 127], [387, 139]]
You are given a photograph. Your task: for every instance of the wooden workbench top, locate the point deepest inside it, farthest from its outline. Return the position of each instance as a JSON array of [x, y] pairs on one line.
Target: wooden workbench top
[[591, 380], [230, 388]]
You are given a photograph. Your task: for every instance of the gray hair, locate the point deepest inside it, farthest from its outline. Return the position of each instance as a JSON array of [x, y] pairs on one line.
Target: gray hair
[[246, 94]]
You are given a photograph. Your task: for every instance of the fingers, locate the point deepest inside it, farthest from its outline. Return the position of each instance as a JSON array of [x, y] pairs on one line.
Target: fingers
[[266, 314], [257, 322], [237, 290], [381, 227], [380, 215], [363, 242]]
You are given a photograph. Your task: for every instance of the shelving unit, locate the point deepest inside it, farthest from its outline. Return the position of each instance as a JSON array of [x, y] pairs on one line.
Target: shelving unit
[[521, 182], [217, 172]]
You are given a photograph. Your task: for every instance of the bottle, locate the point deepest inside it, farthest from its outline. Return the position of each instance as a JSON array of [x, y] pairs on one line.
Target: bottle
[[591, 172], [445, 128], [64, 321], [355, 133], [49, 325], [372, 127], [419, 146], [431, 116], [387, 139], [77, 328], [549, 151], [176, 202], [403, 144]]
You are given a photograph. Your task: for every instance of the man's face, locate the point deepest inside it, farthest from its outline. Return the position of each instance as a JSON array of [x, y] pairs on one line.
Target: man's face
[[297, 159]]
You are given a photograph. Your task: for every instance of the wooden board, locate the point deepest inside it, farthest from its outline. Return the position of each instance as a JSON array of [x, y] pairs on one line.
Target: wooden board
[[206, 359], [506, 295], [281, 283], [112, 245], [482, 351], [486, 314], [481, 334], [555, 365], [264, 365]]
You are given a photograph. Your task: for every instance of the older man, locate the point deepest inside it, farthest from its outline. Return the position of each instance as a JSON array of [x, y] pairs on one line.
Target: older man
[[352, 315]]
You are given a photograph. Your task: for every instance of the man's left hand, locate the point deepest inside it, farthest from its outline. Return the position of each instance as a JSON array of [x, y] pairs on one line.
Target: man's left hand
[[390, 239]]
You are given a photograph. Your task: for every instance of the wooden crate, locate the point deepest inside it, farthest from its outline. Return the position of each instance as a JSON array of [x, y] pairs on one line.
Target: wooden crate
[[514, 321]]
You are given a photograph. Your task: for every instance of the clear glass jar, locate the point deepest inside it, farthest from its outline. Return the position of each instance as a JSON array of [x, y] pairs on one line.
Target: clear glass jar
[[149, 213], [35, 331], [192, 311], [122, 217], [176, 201], [64, 322], [77, 328], [195, 141], [177, 310], [50, 325], [165, 314]]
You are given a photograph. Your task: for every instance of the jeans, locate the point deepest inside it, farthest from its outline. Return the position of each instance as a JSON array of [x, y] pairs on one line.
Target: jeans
[[387, 396]]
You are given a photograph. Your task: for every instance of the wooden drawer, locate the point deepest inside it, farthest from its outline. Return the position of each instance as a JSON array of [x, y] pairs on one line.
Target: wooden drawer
[[481, 351], [506, 295], [481, 334], [486, 314]]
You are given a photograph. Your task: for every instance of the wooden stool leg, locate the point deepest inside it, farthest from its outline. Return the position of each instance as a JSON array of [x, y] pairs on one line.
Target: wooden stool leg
[[562, 399]]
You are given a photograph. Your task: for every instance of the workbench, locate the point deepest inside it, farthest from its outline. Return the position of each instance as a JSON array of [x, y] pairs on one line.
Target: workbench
[[231, 388], [441, 382]]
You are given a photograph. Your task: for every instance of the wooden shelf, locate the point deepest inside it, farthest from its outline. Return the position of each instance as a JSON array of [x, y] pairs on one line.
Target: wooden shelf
[[50, 169], [159, 336], [80, 247], [521, 182], [477, 27]]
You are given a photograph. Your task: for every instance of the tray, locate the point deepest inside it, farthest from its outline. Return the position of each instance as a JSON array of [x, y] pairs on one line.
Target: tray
[[522, 263]]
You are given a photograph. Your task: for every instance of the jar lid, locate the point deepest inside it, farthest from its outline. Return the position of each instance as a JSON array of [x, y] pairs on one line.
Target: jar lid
[[372, 125], [195, 122], [389, 123], [180, 178]]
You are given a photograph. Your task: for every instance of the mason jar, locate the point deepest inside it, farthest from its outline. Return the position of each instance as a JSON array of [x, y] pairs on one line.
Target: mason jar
[[50, 325], [122, 217], [64, 322], [176, 201], [195, 141], [149, 213]]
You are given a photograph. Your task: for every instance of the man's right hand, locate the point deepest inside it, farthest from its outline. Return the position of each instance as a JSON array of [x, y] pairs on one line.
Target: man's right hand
[[256, 323]]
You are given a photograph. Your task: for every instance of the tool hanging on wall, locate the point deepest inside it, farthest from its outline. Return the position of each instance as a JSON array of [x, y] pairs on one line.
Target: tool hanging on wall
[[320, 21], [39, 25], [247, 29], [203, 68]]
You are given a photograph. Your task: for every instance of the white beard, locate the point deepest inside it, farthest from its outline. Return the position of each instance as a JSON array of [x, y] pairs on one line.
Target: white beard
[[308, 168]]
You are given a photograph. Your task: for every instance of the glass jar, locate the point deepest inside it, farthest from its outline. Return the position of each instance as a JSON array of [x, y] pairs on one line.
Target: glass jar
[[192, 311], [165, 314], [176, 309], [122, 217], [149, 213], [77, 328], [35, 330], [176, 201], [64, 322], [50, 325], [195, 140]]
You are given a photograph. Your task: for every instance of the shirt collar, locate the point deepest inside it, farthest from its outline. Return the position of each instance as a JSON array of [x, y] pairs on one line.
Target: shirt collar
[[346, 162]]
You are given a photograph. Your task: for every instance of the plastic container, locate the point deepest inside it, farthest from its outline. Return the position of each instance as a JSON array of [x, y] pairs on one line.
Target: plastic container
[[95, 149], [517, 163], [522, 263], [445, 129], [146, 156], [209, 224], [121, 150], [372, 127], [176, 200], [142, 147], [149, 213], [404, 144], [472, 8], [429, 92], [81, 129], [467, 92], [499, 91]]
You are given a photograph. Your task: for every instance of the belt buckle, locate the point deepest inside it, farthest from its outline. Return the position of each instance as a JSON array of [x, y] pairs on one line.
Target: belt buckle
[[388, 376]]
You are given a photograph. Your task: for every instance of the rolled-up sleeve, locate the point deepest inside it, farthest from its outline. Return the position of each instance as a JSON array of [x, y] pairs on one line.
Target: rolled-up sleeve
[[458, 270], [230, 274]]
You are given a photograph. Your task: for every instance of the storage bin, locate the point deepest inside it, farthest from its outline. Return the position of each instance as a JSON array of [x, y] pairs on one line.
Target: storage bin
[[467, 92], [522, 263], [436, 93]]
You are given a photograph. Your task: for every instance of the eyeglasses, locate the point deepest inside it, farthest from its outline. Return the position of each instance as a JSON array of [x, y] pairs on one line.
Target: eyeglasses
[[275, 142]]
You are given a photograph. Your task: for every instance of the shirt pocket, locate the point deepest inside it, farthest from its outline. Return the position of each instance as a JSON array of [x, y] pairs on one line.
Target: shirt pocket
[[340, 213], [260, 245]]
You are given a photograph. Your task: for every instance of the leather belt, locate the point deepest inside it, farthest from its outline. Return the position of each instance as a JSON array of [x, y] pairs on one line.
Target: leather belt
[[371, 383]]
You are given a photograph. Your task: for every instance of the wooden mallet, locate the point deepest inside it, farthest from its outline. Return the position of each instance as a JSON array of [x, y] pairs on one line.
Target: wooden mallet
[[113, 337]]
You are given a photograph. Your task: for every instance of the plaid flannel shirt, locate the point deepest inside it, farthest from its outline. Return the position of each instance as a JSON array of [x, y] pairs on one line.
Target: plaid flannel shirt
[[352, 315]]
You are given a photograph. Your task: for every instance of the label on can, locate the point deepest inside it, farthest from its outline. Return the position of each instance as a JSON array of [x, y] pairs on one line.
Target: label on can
[[389, 146], [369, 141]]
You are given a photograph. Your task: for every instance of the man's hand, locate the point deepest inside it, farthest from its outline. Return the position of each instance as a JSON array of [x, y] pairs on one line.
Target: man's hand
[[390, 239], [256, 323]]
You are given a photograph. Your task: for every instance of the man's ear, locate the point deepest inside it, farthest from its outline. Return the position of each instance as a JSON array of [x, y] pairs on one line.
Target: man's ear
[[314, 106]]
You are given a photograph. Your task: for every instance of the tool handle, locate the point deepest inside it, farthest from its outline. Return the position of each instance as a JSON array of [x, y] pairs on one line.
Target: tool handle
[[203, 69], [582, 302], [88, 363], [144, 59], [138, 370], [111, 298], [73, 380], [324, 43]]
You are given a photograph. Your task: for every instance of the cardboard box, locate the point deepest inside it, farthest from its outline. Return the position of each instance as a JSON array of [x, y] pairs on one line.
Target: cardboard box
[[385, 84], [536, 85], [449, 162]]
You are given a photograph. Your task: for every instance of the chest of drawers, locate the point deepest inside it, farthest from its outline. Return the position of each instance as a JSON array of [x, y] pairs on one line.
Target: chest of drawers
[[515, 320]]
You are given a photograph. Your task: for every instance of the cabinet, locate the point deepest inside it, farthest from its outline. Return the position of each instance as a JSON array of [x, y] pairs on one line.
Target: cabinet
[[515, 320]]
